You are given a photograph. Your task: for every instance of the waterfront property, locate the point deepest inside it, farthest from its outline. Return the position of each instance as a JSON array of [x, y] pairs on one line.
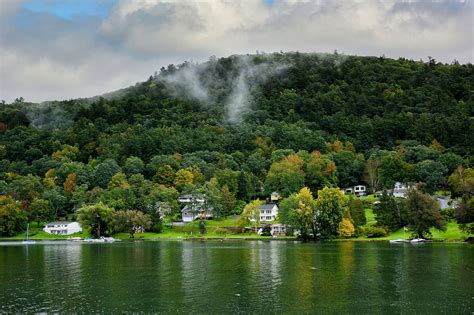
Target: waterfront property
[[278, 229], [62, 228], [268, 212], [194, 207], [192, 212]]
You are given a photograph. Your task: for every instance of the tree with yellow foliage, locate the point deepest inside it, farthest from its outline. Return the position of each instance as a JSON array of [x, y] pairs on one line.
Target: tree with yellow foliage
[[331, 205], [300, 211], [346, 228]]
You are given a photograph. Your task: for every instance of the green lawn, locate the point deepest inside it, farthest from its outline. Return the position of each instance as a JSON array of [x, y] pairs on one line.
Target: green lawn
[[370, 216], [43, 235], [216, 229], [227, 222], [169, 234], [369, 198], [453, 233]]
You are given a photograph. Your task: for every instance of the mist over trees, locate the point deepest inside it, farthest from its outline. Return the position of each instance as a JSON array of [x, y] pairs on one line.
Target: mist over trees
[[236, 129]]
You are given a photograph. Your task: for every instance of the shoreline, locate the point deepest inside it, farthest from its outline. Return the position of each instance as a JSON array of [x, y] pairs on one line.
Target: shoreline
[[232, 239]]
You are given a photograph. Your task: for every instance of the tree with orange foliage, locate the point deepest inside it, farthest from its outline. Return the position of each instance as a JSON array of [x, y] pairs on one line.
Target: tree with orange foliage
[[70, 183]]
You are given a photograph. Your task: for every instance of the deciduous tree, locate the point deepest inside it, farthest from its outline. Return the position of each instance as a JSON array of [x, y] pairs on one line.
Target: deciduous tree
[[423, 214], [97, 217], [300, 211], [330, 205]]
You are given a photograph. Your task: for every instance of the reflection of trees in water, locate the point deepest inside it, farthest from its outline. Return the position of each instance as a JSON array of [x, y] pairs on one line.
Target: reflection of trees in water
[[62, 273]]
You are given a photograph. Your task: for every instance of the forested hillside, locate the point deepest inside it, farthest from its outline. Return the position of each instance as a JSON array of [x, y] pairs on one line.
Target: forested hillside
[[238, 128]]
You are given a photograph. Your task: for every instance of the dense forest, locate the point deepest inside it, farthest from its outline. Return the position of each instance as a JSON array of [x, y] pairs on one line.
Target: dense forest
[[237, 129]]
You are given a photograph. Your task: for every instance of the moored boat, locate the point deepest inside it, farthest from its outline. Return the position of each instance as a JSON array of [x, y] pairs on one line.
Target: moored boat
[[417, 240], [399, 240], [27, 241]]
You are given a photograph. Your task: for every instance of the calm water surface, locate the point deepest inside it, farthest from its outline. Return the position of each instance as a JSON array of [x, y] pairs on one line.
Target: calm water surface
[[229, 277]]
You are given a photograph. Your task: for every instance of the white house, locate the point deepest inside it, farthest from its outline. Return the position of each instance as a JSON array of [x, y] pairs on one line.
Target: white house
[[62, 228], [190, 213], [268, 212], [359, 190], [401, 189], [191, 198], [194, 207]]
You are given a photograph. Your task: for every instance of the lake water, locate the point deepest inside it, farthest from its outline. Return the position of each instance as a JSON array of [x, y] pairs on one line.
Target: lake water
[[237, 276]]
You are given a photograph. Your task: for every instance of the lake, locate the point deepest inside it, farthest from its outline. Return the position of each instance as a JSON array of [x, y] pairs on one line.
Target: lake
[[237, 276]]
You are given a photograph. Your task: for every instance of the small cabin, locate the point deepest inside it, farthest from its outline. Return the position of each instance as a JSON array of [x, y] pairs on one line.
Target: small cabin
[[360, 190], [275, 196]]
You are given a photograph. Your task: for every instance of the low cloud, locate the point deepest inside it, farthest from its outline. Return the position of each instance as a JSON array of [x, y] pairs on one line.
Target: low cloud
[[203, 83]]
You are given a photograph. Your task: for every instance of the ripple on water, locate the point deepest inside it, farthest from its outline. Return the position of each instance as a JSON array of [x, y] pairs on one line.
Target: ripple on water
[[210, 277]]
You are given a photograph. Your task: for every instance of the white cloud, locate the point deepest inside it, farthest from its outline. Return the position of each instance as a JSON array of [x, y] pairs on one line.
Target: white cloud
[[51, 58]]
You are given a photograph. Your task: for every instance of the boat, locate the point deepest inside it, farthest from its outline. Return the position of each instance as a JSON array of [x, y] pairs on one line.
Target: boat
[[27, 240], [108, 239], [401, 240], [398, 240], [417, 240], [102, 239]]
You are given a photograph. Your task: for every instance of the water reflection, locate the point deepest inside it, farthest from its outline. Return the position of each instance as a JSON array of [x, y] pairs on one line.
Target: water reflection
[[232, 277]]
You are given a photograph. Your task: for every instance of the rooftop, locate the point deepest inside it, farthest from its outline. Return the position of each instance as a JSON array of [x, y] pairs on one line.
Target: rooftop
[[268, 206], [59, 222]]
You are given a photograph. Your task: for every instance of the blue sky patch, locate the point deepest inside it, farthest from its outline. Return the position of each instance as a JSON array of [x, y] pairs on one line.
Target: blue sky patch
[[68, 9]]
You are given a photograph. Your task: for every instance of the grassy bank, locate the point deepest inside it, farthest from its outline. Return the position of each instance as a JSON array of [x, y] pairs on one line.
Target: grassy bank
[[225, 229], [453, 233]]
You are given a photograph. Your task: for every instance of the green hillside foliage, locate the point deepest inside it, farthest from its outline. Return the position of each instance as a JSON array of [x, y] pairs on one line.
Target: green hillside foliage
[[237, 128]]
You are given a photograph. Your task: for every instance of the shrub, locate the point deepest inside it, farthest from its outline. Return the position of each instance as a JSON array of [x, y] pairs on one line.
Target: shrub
[[359, 231], [467, 228], [447, 213], [221, 231], [239, 207], [266, 231], [376, 231]]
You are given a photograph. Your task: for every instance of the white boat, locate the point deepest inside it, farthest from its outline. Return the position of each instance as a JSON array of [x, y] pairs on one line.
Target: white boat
[[27, 240], [417, 240], [102, 239], [108, 239], [399, 240]]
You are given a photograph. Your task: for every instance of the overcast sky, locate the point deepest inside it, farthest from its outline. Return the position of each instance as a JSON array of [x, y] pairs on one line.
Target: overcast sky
[[62, 49]]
